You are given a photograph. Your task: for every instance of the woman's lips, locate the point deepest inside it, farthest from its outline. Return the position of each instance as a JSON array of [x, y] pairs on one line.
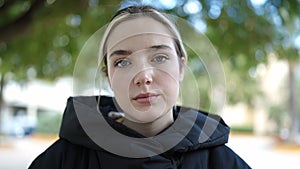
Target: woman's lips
[[145, 98]]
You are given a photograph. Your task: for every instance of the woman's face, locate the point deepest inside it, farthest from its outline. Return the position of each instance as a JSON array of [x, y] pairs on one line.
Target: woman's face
[[143, 69]]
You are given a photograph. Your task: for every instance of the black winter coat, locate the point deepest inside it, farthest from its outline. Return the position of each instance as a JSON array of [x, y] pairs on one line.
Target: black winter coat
[[198, 149]]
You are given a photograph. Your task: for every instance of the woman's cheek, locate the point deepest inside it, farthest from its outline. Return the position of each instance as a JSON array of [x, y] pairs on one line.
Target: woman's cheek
[[117, 76], [120, 83]]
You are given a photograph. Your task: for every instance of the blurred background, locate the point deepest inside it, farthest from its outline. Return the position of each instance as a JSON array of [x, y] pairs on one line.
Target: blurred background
[[258, 42]]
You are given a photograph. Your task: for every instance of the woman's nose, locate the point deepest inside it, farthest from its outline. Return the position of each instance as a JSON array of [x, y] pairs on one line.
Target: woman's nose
[[144, 77]]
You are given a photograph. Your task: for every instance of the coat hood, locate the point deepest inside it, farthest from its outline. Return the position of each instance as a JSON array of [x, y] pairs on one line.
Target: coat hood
[[86, 122]]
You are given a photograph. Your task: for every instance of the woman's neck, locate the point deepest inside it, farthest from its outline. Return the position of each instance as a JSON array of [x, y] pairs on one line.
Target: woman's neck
[[151, 128]]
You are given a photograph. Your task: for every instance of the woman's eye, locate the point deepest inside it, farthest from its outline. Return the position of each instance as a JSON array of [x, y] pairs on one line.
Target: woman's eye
[[122, 63], [160, 58]]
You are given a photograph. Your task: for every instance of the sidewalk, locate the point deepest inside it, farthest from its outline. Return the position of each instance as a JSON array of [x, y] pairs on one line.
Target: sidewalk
[[258, 152], [18, 153], [261, 152]]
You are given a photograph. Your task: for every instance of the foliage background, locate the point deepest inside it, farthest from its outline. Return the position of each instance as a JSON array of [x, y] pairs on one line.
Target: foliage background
[[41, 39]]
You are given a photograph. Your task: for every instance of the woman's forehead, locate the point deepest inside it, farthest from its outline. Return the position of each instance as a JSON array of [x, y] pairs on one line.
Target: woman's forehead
[[135, 27], [144, 42]]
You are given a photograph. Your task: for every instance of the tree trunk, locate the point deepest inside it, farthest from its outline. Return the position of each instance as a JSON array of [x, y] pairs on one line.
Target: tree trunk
[[2, 83], [292, 104]]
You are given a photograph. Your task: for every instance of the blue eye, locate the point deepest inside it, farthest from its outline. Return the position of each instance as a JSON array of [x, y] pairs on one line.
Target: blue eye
[[160, 58], [122, 63]]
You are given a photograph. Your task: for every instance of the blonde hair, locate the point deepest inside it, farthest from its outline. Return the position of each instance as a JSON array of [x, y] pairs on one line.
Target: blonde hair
[[133, 12]]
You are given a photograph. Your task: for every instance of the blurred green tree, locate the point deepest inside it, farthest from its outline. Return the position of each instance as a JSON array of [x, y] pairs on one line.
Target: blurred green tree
[[284, 16], [42, 38]]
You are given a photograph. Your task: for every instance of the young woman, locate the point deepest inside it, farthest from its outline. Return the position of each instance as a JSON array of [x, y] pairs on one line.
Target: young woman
[[144, 61]]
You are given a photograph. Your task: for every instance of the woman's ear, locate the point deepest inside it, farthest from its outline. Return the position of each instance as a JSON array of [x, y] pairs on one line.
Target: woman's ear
[[182, 68]]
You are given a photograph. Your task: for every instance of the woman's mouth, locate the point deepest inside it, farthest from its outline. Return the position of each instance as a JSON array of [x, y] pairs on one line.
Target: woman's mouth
[[145, 98]]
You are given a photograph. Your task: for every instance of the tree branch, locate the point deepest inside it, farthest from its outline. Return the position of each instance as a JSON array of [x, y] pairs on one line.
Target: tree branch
[[7, 5], [11, 30]]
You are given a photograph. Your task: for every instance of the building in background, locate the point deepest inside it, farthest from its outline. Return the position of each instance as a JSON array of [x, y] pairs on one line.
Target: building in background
[[24, 102]]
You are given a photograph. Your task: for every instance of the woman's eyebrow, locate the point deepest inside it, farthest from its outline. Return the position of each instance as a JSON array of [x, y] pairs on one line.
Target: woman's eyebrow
[[126, 52], [120, 52], [161, 47]]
